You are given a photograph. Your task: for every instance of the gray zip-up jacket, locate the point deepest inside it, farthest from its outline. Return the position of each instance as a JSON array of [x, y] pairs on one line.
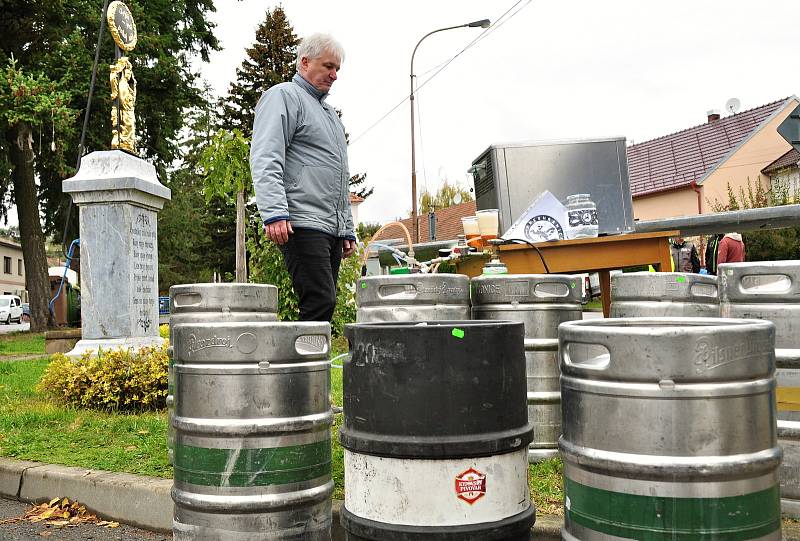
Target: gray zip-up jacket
[[298, 160]]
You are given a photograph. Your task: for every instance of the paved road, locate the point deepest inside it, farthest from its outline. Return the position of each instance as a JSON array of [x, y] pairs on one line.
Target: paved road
[[14, 327], [26, 531]]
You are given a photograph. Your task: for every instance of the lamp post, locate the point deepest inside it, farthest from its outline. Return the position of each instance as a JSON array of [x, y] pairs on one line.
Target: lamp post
[[483, 23]]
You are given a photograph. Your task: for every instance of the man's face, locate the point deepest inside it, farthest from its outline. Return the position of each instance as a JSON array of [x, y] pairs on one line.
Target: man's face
[[320, 71]]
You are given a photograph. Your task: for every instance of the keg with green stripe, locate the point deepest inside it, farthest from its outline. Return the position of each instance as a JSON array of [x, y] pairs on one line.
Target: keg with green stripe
[[541, 302], [770, 290], [214, 303], [669, 430], [664, 294], [252, 424]]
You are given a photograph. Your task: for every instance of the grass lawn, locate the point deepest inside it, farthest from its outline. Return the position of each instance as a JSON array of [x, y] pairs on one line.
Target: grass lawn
[[31, 428], [21, 343]]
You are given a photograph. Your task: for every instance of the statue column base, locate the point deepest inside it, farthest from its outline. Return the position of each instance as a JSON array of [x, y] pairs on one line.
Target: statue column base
[[119, 197]]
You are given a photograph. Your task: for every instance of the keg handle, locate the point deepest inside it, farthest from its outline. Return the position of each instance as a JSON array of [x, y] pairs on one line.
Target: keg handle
[[587, 358], [183, 300], [308, 345], [781, 283]]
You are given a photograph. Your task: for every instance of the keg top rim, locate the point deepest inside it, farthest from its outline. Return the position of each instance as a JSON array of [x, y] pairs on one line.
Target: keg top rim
[[521, 276], [434, 324], [227, 285], [665, 323]]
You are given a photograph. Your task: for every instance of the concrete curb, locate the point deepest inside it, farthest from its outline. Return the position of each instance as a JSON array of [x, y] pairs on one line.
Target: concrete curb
[[137, 500], [145, 502]]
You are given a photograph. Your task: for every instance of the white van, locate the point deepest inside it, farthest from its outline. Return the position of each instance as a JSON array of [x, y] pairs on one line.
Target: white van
[[10, 309]]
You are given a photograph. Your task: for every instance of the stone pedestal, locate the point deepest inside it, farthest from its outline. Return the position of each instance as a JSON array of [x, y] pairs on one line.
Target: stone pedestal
[[119, 197]]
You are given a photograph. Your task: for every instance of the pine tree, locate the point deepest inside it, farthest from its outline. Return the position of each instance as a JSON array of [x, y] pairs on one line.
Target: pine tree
[[269, 61]]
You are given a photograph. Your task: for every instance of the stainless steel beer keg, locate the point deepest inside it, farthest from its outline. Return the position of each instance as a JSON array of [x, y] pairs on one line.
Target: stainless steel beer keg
[[412, 297], [770, 290], [436, 432], [214, 303], [541, 302], [766, 290], [252, 425], [664, 294], [669, 429]]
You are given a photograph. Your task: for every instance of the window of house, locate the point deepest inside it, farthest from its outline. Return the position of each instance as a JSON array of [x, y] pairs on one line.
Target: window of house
[[7, 264], [19, 267]]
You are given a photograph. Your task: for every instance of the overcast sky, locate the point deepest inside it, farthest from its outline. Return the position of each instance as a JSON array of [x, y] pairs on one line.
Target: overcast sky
[[555, 70]]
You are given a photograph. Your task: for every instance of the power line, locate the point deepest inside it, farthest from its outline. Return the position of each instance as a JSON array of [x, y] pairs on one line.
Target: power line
[[497, 24]]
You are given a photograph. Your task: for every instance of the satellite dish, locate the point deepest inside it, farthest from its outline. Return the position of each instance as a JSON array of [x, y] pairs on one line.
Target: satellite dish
[[732, 105], [457, 198]]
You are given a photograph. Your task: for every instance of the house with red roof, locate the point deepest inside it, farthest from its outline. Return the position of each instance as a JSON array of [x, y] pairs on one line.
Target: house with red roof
[[448, 224], [688, 172]]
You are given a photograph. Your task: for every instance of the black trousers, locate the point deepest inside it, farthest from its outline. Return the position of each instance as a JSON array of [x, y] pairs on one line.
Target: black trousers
[[312, 259]]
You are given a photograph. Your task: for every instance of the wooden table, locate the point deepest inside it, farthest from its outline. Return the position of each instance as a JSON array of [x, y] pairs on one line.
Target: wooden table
[[601, 255]]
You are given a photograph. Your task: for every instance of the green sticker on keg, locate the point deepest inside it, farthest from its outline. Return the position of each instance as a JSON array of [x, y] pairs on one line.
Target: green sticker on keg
[[458, 333], [572, 285], [363, 285], [680, 279]]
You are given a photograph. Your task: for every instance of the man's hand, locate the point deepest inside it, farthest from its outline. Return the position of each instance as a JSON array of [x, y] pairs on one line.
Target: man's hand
[[278, 232], [348, 248]]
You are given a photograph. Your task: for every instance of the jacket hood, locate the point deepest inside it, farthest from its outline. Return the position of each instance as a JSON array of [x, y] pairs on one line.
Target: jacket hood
[[734, 236]]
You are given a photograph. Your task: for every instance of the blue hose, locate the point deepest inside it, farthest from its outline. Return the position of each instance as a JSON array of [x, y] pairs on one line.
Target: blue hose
[[75, 242]]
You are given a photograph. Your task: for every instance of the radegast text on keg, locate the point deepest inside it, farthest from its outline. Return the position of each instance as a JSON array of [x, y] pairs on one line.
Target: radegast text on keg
[[709, 357]]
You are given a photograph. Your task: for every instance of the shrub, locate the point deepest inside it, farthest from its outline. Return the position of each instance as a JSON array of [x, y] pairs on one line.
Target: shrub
[[111, 380], [163, 331]]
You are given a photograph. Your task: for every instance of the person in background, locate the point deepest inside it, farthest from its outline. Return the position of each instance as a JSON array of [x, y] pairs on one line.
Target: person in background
[[684, 256], [731, 249], [711, 253]]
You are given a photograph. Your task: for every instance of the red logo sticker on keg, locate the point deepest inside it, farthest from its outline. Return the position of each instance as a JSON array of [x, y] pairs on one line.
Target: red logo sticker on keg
[[470, 485]]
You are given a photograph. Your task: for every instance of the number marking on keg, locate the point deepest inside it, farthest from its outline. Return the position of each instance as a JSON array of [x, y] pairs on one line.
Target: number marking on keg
[[470, 485]]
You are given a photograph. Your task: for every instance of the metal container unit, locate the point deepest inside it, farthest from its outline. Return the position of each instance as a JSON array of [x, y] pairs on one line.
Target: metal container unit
[[770, 290], [541, 302], [213, 303], [412, 297], [253, 432], [669, 429], [664, 294], [436, 432], [509, 177]]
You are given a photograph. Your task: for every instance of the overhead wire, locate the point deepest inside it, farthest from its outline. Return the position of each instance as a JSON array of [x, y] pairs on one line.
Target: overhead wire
[[85, 123], [497, 24]]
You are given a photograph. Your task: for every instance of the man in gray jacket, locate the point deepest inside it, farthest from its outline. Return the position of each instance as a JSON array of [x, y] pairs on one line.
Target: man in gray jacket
[[298, 160]]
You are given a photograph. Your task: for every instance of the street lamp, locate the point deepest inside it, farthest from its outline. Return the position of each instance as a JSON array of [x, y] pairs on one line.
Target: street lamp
[[483, 23]]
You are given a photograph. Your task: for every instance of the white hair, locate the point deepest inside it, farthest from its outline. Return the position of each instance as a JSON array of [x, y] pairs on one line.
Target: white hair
[[316, 44]]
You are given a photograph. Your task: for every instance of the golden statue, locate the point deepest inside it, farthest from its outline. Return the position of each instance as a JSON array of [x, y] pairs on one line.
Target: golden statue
[[123, 96], [123, 83]]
